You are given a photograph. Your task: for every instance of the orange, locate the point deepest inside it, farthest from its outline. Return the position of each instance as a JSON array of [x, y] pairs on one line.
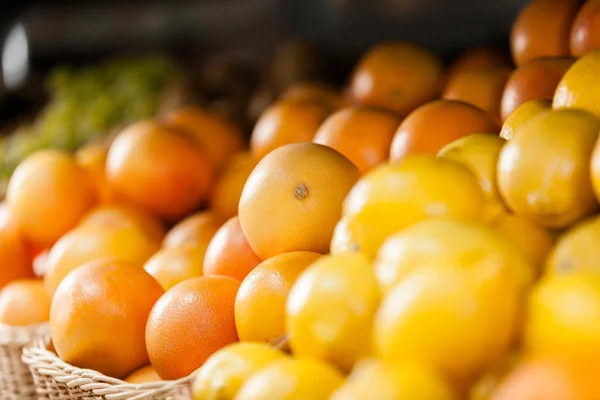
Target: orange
[[286, 122], [143, 375], [363, 134], [475, 58], [189, 323], [40, 263], [197, 229], [542, 30], [8, 224], [158, 170], [118, 215], [481, 87], [550, 378], [227, 191], [522, 114], [398, 76], [534, 80], [24, 302], [172, 265], [98, 317], [15, 260], [94, 243], [585, 31], [432, 126], [260, 302], [92, 158], [293, 199], [580, 86], [316, 93], [47, 194], [229, 253], [217, 136]]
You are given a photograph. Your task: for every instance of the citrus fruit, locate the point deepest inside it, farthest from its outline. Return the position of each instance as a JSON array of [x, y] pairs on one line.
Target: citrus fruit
[[172, 265], [373, 379], [190, 322], [333, 322], [522, 114], [228, 253], [24, 302], [98, 316], [489, 381], [291, 379], [315, 93], [8, 224], [392, 197], [260, 301], [398, 76], [362, 134], [448, 317], [580, 85], [577, 249], [543, 171], [92, 158], [14, 258], [143, 375], [477, 57], [147, 159], [227, 369], [585, 31], [65, 188], [342, 240], [595, 169], [195, 230], [227, 191], [217, 136], [293, 199], [432, 126]]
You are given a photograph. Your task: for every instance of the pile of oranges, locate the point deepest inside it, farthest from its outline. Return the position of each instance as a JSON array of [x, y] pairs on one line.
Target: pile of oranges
[[429, 234]]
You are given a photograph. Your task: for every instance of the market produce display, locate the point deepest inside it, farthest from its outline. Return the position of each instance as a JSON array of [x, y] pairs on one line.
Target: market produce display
[[427, 232]]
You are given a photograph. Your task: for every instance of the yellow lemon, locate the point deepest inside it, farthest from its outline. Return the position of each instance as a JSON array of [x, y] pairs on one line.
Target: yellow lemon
[[577, 250], [342, 240], [580, 85], [522, 114]]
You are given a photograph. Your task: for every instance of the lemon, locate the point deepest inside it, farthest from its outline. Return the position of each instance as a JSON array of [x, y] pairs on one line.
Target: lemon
[[522, 114], [342, 240], [580, 85], [577, 250]]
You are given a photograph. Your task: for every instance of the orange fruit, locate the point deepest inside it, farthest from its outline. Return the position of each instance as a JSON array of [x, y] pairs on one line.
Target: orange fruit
[[24, 302], [195, 230], [316, 93], [481, 87], [47, 194], [580, 85], [15, 260], [475, 58], [362, 134], [189, 323], [118, 215], [585, 31], [286, 122], [550, 378], [40, 263], [260, 301], [94, 243], [98, 316], [172, 265], [542, 30], [7, 220], [229, 253], [398, 76], [159, 170], [227, 191], [522, 114], [293, 199], [143, 375], [218, 137], [432, 126], [534, 80], [92, 158]]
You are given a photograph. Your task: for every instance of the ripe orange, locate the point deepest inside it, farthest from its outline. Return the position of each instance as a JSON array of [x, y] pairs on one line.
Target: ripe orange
[[227, 191], [195, 230], [143, 375], [522, 114], [98, 317], [580, 86], [432, 126], [481, 87], [316, 93], [24, 302], [47, 194], [293, 199], [534, 80], [398, 76], [189, 323], [477, 57], [363, 134], [169, 266], [260, 302], [217, 136], [286, 122], [159, 170], [542, 30], [15, 260], [92, 158], [8, 224], [229, 253], [585, 31]]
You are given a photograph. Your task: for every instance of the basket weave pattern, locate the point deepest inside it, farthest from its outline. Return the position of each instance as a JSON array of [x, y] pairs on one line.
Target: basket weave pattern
[[16, 381], [57, 380]]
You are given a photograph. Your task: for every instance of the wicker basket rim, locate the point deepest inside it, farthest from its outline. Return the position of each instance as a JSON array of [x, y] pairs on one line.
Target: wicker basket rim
[[21, 335]]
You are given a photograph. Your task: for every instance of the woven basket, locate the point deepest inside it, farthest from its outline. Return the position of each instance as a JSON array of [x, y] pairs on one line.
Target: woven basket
[[54, 379], [16, 381]]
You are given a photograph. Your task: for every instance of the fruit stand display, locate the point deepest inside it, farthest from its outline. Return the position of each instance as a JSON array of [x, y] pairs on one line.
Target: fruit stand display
[[428, 231]]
